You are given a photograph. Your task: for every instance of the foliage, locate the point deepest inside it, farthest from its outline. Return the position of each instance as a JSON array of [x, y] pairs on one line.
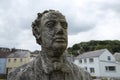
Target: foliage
[[112, 46]]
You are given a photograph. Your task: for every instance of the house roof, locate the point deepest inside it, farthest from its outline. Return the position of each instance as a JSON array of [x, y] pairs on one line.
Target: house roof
[[19, 54], [91, 54], [117, 56], [4, 54]]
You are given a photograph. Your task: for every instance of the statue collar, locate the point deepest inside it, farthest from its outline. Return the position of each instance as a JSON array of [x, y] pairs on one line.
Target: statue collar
[[48, 66]]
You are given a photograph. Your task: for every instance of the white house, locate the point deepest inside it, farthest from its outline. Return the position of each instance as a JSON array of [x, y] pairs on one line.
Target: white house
[[99, 63]]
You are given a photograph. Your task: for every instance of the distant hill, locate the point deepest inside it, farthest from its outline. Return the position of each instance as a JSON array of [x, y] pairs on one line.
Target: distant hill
[[112, 45]]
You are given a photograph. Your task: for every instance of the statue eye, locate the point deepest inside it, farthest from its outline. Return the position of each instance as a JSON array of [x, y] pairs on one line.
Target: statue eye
[[50, 24], [64, 25]]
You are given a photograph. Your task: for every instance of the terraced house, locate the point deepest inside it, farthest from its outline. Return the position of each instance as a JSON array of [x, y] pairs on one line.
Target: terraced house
[[17, 58]]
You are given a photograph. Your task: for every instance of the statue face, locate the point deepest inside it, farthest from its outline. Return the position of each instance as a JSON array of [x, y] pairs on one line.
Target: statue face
[[54, 31]]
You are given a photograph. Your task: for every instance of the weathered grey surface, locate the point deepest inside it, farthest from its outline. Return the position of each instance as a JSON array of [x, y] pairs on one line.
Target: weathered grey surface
[[50, 30], [44, 69]]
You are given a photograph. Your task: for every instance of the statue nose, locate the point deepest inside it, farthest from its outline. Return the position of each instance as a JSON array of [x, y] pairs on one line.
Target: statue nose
[[59, 30]]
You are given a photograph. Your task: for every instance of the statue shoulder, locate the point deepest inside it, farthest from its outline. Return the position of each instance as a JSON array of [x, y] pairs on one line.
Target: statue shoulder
[[21, 72], [81, 73]]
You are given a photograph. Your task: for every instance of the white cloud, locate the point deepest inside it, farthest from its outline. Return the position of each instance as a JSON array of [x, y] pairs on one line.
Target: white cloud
[[87, 20], [26, 40]]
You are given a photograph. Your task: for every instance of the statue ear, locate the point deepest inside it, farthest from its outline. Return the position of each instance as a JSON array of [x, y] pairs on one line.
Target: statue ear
[[39, 15], [36, 33]]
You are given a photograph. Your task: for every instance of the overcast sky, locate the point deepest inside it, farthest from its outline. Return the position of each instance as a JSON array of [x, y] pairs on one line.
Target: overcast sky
[[87, 20]]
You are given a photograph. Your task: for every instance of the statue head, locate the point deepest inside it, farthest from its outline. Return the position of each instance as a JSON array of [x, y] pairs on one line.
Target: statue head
[[50, 30]]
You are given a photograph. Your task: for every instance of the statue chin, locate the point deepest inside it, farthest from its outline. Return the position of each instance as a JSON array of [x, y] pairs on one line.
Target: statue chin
[[59, 49]]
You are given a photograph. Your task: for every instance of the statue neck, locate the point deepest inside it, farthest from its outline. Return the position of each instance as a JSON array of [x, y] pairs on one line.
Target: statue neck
[[52, 55]]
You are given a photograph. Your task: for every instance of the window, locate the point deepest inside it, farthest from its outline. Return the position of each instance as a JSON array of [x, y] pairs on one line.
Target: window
[[21, 60], [15, 60], [110, 68], [92, 70], [91, 60], [109, 58], [85, 68], [80, 61], [85, 61], [8, 60]]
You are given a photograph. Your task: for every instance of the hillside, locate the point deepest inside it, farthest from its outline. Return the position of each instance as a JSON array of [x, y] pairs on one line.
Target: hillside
[[112, 46]]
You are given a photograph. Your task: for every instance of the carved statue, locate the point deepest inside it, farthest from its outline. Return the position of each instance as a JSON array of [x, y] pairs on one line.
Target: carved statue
[[50, 31]]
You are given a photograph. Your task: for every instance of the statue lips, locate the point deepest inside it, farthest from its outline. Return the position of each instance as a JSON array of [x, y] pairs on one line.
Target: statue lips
[[60, 39]]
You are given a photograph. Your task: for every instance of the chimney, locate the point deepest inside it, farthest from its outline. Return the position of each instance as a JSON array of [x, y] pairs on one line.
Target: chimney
[[13, 50]]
